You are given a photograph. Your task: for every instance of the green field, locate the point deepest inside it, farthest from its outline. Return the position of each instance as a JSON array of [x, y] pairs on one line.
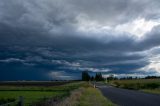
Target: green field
[[30, 96], [146, 85], [34, 94]]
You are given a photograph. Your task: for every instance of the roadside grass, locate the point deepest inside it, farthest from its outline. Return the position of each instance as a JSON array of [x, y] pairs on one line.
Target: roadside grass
[[93, 97], [73, 99], [153, 91], [146, 85], [84, 96], [137, 84], [33, 94]]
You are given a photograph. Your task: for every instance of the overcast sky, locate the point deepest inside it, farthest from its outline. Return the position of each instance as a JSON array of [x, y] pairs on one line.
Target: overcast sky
[[58, 39]]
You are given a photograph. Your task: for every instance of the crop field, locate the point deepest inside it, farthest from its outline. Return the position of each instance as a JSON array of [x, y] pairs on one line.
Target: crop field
[[34, 94], [147, 85]]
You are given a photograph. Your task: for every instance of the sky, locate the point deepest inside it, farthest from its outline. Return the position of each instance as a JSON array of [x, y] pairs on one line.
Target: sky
[[58, 39]]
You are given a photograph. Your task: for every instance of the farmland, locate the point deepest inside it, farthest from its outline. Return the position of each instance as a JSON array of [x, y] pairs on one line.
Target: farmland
[[38, 93], [146, 85]]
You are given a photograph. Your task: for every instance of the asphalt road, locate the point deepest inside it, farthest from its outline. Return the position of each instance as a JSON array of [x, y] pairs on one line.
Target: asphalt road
[[124, 97]]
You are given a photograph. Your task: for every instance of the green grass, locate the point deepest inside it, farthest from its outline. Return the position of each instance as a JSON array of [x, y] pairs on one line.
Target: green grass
[[93, 97], [30, 96], [34, 93]]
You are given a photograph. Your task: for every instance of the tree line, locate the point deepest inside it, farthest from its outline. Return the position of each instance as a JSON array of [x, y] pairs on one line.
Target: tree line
[[87, 77], [98, 77]]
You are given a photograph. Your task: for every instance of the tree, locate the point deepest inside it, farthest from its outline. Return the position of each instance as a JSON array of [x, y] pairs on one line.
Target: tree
[[92, 78], [85, 76], [99, 77], [111, 77]]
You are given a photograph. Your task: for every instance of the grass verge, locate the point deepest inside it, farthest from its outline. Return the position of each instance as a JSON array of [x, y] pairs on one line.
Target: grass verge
[[93, 97], [153, 91], [145, 85], [137, 84]]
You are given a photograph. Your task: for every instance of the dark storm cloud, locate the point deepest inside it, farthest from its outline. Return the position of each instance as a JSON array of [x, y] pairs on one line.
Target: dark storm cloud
[[152, 39], [55, 14], [46, 36]]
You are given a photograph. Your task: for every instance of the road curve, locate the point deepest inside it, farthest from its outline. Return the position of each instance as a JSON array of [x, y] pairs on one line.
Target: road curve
[[124, 97]]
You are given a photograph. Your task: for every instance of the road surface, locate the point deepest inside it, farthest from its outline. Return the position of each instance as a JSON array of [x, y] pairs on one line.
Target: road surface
[[124, 97]]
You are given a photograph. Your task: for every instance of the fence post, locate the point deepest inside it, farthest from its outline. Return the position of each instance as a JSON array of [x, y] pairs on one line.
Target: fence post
[[21, 101], [94, 86]]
